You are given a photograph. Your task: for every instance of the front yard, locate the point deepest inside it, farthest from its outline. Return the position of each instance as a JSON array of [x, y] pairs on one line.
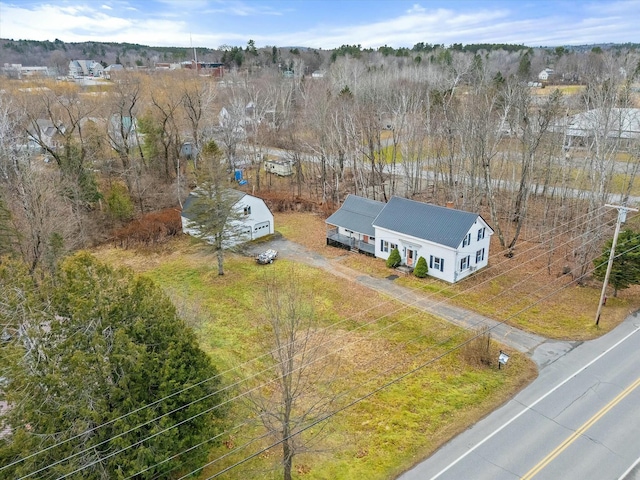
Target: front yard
[[374, 340]]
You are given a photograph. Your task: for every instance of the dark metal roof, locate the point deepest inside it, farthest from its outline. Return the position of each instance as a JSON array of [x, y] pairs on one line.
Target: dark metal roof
[[433, 223], [357, 214], [231, 193]]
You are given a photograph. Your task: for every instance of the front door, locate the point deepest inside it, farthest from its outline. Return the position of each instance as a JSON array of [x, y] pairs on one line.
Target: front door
[[410, 257]]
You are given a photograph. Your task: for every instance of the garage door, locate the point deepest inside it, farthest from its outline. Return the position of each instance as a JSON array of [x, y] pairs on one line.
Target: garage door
[[261, 229]]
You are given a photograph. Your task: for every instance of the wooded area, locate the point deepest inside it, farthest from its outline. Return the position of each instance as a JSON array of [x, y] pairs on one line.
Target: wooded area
[[80, 166], [456, 126]]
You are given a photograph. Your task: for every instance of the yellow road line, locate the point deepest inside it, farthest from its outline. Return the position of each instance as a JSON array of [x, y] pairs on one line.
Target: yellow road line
[[560, 448]]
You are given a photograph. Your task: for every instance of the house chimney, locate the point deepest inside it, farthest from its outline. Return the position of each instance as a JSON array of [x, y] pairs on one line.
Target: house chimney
[[449, 204]]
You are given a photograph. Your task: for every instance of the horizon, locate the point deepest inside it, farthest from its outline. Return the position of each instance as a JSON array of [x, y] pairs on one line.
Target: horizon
[[324, 24]]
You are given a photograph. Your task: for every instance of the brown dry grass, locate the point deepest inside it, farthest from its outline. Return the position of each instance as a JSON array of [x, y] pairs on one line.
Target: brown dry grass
[[397, 340], [307, 229], [524, 291]]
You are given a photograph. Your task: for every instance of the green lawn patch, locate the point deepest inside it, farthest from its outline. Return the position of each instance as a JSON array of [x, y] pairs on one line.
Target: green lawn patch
[[378, 340]]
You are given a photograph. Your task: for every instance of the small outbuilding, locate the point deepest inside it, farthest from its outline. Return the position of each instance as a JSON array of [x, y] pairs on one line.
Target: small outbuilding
[[255, 218], [282, 168]]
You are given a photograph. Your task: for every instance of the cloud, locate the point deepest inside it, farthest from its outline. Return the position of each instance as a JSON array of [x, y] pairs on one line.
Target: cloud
[[215, 22], [417, 25], [416, 8], [43, 22], [243, 9]]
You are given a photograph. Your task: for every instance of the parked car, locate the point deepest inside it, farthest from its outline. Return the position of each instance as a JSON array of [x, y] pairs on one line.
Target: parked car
[[267, 256]]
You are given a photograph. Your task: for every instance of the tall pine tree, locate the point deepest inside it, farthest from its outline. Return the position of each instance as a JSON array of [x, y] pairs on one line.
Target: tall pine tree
[[85, 357], [625, 270]]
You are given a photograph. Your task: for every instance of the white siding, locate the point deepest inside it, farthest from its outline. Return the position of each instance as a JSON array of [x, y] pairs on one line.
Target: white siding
[[451, 271], [256, 223], [421, 247]]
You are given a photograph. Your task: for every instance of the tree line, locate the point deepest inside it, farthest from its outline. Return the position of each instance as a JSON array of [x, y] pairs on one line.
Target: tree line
[[76, 162], [466, 128]]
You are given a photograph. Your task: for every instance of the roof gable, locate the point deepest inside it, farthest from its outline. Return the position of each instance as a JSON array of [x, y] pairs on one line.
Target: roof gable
[[229, 193], [357, 214], [442, 225]]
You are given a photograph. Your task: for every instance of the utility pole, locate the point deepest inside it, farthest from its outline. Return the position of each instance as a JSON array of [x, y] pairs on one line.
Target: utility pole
[[622, 217]]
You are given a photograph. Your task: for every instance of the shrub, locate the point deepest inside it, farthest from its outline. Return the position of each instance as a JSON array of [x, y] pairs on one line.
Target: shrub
[[394, 258], [479, 351], [150, 229], [119, 203], [421, 269]]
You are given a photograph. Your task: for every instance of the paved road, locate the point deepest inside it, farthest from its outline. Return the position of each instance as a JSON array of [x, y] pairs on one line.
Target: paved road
[[578, 420], [402, 171]]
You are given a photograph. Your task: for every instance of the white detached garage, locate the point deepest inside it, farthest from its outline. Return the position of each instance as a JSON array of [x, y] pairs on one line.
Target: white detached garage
[[253, 217]]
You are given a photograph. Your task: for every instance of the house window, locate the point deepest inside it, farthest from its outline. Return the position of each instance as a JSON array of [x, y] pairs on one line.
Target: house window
[[467, 240], [464, 263], [480, 255], [481, 233], [385, 246], [436, 263], [247, 210]]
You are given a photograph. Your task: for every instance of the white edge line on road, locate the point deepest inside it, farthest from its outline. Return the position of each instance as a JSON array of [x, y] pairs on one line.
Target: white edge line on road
[[624, 475], [526, 409]]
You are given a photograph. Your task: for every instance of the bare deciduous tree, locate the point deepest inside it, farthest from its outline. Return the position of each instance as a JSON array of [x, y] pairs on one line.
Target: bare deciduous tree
[[298, 391]]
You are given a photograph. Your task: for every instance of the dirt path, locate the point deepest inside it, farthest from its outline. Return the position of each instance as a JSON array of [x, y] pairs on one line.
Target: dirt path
[[541, 350]]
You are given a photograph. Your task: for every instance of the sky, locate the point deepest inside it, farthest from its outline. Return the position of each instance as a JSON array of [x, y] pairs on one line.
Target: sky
[[323, 24]]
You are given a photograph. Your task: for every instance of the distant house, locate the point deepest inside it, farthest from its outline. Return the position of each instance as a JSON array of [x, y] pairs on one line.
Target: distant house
[[45, 134], [18, 70], [123, 131], [85, 68], [35, 71], [621, 124], [114, 68], [454, 243], [546, 74], [214, 69], [256, 220], [239, 120]]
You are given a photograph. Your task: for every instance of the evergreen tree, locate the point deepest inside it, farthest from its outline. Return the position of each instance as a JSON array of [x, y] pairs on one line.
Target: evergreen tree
[[524, 67], [394, 258], [86, 355], [625, 270], [421, 269]]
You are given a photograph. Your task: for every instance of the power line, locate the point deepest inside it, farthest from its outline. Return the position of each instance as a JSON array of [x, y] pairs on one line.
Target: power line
[[172, 411], [421, 352], [122, 434], [354, 402]]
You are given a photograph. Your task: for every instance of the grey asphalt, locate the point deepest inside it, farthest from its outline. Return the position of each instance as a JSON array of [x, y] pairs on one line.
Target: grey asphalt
[[577, 420], [541, 350], [582, 408]]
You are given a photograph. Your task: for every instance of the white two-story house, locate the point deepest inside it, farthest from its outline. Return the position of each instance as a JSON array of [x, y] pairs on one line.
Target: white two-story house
[[453, 242]]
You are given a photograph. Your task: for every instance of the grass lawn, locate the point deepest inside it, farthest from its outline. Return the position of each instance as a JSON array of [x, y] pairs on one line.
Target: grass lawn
[[521, 292], [373, 340], [518, 290]]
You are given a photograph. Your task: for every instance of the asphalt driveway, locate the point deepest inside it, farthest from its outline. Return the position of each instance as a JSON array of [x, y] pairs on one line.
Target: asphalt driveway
[[541, 350]]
